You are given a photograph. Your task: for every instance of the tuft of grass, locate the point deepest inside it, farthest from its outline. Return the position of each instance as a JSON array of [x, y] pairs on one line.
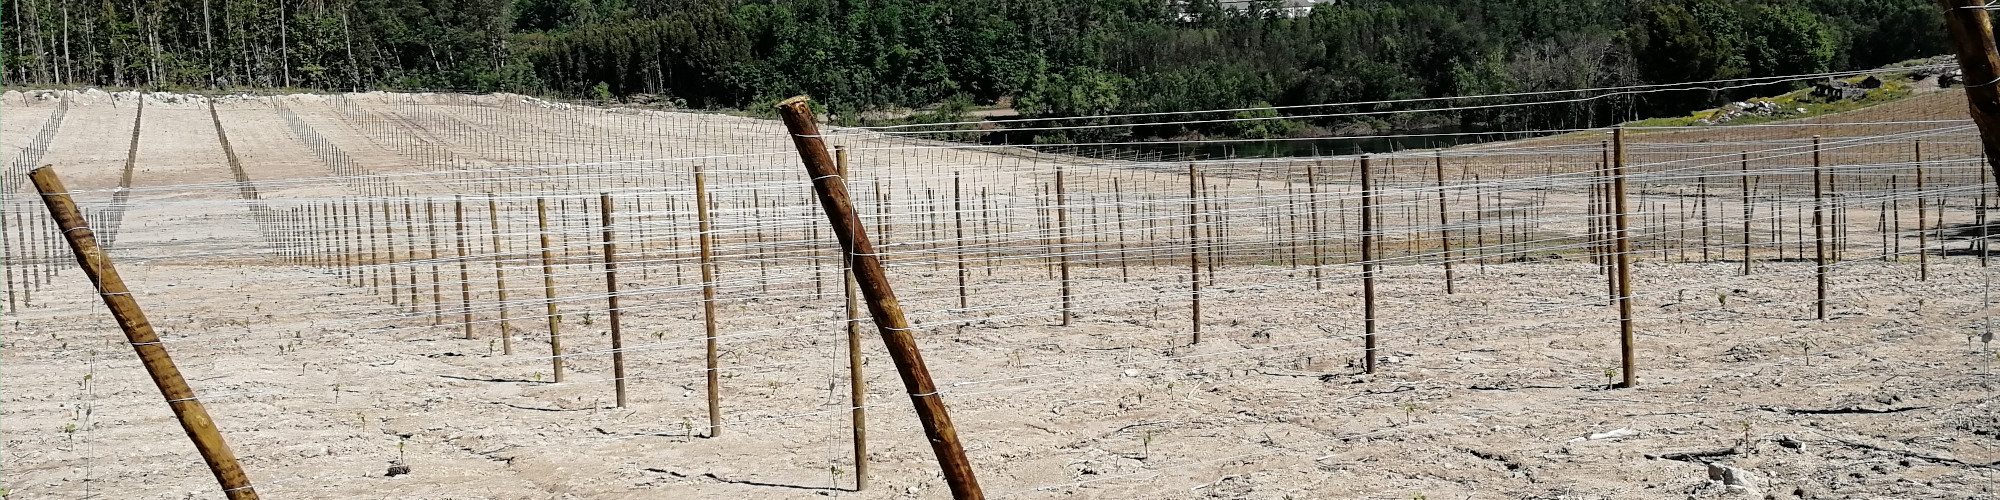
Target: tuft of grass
[[1798, 104]]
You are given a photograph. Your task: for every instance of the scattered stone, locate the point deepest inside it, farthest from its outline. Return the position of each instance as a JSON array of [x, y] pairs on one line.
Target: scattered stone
[[396, 468], [1738, 481], [1614, 434]]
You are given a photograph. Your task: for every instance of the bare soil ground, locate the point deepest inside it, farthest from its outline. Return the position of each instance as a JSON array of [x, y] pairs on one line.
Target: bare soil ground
[[1496, 391]]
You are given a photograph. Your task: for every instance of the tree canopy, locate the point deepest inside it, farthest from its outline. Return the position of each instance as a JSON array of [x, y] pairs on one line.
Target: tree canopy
[[1046, 57]]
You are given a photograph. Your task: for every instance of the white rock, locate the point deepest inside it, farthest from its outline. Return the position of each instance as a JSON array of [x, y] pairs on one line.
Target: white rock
[[1614, 434]]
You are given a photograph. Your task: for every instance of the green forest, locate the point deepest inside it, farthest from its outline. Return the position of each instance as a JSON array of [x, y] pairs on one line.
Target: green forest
[[1044, 58]]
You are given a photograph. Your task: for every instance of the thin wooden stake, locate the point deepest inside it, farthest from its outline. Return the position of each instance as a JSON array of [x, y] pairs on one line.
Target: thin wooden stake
[[1923, 216], [1194, 249], [856, 385], [1062, 245], [1623, 255], [193, 417], [958, 221], [874, 282], [464, 277], [708, 303], [1368, 265], [499, 273], [611, 291], [1819, 233], [1444, 230], [1748, 210], [549, 289]]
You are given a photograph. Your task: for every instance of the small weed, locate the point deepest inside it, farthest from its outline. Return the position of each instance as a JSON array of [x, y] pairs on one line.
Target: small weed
[[586, 319], [1723, 299], [1146, 441], [1610, 376], [1410, 412]]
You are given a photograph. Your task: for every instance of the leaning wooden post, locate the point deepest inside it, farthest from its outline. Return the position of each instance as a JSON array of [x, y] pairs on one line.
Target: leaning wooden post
[[1971, 30], [882, 304], [1819, 234], [1367, 266], [1194, 249], [499, 273], [1444, 229], [1062, 245], [464, 277], [139, 332], [549, 289], [856, 386], [1623, 249], [708, 303], [611, 288], [1923, 213]]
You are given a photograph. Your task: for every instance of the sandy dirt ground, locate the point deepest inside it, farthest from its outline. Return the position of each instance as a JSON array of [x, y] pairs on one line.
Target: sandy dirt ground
[[320, 375]]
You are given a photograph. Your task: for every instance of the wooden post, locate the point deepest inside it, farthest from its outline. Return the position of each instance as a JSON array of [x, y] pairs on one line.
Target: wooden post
[[1623, 251], [1819, 233], [874, 282], [1704, 216], [437, 282], [1367, 265], [389, 237], [1118, 212], [1062, 245], [611, 289], [374, 248], [1744, 195], [499, 273], [193, 417], [1923, 214], [464, 277], [1972, 33], [1194, 249], [1313, 230], [708, 303], [1444, 229], [549, 289], [410, 246], [856, 385], [958, 220]]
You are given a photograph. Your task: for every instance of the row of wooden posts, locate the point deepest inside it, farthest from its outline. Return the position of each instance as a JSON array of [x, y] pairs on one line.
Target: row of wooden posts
[[330, 235]]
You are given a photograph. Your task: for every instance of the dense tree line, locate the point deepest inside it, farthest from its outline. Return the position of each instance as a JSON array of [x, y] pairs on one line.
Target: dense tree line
[[1046, 57]]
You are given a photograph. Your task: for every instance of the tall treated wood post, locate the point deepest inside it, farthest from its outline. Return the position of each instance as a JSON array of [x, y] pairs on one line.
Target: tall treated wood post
[[193, 417], [1703, 197], [957, 220], [1062, 245], [713, 371], [611, 291], [1978, 57], [1743, 195], [1623, 255], [1118, 208], [499, 273], [882, 304], [1923, 214], [1194, 249], [1367, 265], [856, 386], [1819, 233], [549, 289], [1444, 229], [464, 277]]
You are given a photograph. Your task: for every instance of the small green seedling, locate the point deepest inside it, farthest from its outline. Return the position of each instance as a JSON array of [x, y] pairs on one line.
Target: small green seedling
[[1723, 299], [1610, 376], [1146, 441], [687, 425], [336, 393], [586, 319], [400, 441], [1410, 412]]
